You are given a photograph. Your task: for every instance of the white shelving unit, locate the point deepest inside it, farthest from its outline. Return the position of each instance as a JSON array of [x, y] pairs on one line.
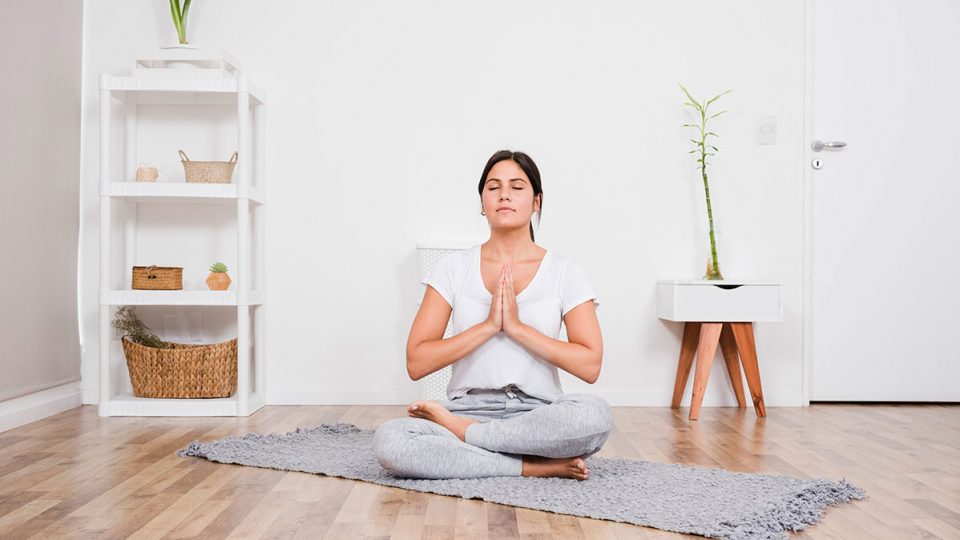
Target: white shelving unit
[[246, 193]]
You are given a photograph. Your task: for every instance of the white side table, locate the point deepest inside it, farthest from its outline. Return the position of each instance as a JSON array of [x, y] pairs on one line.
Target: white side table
[[718, 311]]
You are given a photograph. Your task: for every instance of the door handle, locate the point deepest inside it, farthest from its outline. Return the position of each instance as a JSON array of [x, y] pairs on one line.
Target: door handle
[[820, 145]]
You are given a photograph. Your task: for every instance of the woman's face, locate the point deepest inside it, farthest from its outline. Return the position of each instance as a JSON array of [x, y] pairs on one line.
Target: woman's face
[[508, 196]]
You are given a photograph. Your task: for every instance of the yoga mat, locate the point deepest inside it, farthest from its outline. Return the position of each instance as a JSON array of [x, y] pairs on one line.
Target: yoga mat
[[710, 502]]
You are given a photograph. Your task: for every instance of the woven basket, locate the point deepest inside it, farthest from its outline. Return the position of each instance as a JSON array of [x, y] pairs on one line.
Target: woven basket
[[168, 278], [182, 371], [208, 172]]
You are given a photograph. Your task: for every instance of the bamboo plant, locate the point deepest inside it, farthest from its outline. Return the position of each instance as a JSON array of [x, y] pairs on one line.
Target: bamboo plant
[[180, 18], [704, 149]]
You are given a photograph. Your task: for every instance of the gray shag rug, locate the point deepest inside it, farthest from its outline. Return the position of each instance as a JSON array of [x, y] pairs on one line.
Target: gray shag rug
[[696, 500]]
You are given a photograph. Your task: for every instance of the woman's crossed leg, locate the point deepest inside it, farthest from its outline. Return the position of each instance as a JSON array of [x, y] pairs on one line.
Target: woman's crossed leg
[[547, 440]]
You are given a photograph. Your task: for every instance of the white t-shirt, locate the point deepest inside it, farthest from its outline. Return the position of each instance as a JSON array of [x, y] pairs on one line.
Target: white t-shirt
[[559, 285]]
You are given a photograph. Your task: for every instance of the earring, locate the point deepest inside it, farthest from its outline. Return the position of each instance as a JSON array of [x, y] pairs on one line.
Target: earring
[[482, 214]]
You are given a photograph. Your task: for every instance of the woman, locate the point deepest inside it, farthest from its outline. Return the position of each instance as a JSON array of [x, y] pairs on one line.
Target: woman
[[506, 414]]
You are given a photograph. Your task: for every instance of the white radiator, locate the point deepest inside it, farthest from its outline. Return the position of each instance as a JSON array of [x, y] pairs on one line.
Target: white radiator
[[434, 386]]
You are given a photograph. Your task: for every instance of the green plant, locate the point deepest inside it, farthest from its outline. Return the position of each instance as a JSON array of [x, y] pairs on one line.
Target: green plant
[[218, 267], [180, 18], [704, 149], [126, 321]]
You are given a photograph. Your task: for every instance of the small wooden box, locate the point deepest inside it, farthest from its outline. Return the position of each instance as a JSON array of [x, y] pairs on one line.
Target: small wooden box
[[718, 301]]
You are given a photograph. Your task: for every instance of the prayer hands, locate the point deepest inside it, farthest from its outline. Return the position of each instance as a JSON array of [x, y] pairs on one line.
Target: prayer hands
[[495, 318], [511, 314], [504, 314]]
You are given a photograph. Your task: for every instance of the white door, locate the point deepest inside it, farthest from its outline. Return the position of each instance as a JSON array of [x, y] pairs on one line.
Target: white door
[[884, 240]]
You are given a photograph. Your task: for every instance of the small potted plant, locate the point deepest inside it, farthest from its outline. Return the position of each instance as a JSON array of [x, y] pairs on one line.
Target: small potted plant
[[703, 149], [218, 280]]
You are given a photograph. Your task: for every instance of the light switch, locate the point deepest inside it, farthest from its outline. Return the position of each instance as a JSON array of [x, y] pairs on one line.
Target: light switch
[[767, 129]]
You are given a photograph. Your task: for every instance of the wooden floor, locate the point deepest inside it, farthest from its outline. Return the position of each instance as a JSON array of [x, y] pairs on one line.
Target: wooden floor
[[76, 475]]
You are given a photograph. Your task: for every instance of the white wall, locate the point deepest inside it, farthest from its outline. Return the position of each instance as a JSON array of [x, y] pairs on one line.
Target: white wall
[[39, 164], [382, 114]]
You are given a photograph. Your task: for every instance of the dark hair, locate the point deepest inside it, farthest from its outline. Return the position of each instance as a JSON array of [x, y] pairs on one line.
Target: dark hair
[[528, 166]]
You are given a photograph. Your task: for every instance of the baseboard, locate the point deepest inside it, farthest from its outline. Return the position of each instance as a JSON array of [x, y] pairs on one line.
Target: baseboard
[[620, 398], [389, 397], [404, 397], [22, 410]]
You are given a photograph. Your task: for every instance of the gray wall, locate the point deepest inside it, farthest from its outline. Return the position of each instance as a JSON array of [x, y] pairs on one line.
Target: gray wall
[[40, 59]]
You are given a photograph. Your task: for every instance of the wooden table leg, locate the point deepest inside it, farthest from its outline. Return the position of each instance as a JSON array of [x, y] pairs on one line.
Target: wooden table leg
[[691, 333], [729, 347], [743, 334], [707, 347]]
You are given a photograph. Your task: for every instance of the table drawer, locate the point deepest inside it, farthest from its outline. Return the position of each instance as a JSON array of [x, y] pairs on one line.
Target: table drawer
[[723, 302]]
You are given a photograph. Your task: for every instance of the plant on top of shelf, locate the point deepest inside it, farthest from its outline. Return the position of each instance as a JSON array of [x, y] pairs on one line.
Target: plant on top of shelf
[[126, 321], [703, 148], [218, 280], [180, 18]]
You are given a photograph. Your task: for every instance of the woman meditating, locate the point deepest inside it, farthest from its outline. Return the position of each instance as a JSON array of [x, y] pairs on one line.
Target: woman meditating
[[506, 414]]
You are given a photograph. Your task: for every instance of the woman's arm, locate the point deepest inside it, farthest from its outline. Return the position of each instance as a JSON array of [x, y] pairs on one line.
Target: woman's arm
[[580, 356], [427, 351]]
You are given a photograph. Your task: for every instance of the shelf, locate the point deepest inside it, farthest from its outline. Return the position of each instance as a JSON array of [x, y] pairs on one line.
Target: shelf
[[193, 88], [180, 90], [181, 192], [180, 298], [128, 405]]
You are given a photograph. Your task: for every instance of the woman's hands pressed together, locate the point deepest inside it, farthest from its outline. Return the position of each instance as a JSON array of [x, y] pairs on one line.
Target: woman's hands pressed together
[[580, 355], [495, 318], [511, 314], [504, 314]]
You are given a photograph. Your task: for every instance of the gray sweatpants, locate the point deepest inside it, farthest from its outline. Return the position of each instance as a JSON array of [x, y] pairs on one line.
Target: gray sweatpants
[[510, 424]]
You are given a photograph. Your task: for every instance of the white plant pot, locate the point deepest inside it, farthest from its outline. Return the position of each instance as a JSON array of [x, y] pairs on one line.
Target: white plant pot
[[180, 65], [186, 60]]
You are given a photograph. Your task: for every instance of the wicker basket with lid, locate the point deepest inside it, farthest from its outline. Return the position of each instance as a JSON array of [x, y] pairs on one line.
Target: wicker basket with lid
[[169, 278]]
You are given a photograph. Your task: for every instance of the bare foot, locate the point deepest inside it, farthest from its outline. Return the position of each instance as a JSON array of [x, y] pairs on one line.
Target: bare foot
[[574, 467], [433, 411]]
